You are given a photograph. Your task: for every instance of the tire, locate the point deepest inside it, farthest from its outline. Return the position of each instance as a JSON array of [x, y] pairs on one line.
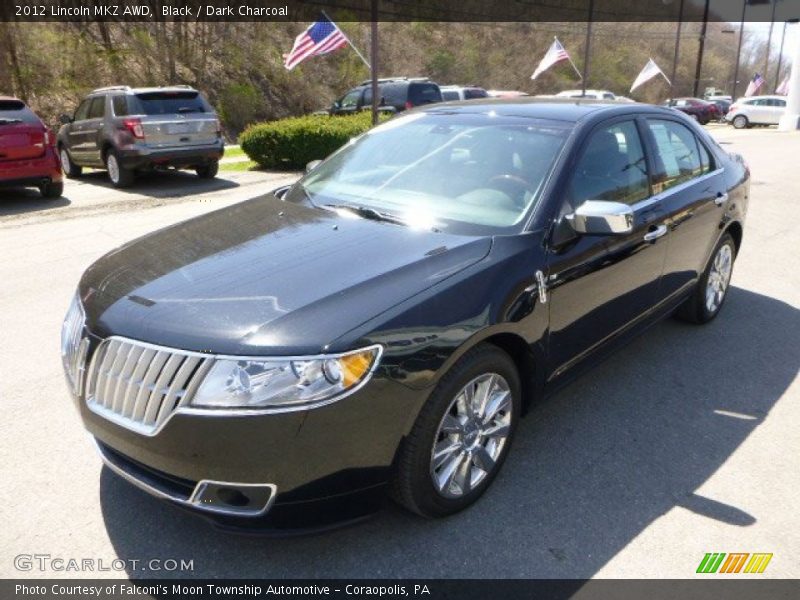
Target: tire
[[119, 176], [699, 307], [485, 367], [208, 171], [740, 122], [70, 169], [54, 189]]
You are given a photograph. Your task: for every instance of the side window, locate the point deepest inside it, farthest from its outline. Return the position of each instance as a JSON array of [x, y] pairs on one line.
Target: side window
[[120, 105], [98, 108], [350, 99], [612, 167], [678, 156], [82, 111], [780, 103], [706, 163]]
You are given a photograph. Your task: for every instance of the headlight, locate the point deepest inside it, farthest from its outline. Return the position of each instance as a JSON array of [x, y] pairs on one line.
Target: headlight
[[73, 344], [285, 383]]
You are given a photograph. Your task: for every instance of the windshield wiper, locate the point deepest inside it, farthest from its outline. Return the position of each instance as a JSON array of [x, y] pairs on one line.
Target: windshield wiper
[[368, 213]]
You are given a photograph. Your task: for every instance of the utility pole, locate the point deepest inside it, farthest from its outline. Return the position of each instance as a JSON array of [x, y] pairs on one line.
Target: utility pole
[[739, 51], [780, 56], [700, 49], [373, 61], [769, 43], [587, 49], [674, 77]]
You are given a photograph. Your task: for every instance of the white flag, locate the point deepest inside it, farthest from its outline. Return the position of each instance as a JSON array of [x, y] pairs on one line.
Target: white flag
[[650, 70], [554, 55], [783, 88]]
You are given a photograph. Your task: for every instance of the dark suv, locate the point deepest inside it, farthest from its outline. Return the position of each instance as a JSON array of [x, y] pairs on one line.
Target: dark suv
[[125, 129], [397, 94]]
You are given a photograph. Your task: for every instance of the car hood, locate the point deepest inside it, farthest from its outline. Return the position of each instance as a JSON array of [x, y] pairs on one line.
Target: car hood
[[265, 276]]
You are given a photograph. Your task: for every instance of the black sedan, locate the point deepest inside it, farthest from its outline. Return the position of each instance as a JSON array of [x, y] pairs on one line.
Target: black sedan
[[384, 323]]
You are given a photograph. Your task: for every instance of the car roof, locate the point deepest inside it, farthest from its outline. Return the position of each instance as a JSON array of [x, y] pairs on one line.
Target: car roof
[[559, 109], [10, 98], [124, 89]]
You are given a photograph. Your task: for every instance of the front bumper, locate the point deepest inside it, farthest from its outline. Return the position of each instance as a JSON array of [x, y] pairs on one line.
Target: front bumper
[[135, 157], [297, 470]]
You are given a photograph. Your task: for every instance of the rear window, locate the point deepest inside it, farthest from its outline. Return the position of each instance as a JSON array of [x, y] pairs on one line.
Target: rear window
[[120, 105], [167, 103], [424, 93], [16, 111]]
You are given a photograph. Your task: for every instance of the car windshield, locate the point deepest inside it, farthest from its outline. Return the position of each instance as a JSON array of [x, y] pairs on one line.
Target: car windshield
[[465, 172]]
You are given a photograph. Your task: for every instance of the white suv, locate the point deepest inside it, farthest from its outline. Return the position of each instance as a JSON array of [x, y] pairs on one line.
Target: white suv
[[756, 110]]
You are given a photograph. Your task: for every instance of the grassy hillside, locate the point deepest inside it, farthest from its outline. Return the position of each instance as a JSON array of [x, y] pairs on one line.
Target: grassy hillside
[[240, 66]]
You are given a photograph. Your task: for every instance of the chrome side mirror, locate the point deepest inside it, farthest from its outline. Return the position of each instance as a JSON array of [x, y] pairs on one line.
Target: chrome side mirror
[[598, 217], [312, 165]]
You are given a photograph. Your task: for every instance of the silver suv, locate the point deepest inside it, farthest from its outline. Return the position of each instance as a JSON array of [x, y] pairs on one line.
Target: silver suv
[[125, 130]]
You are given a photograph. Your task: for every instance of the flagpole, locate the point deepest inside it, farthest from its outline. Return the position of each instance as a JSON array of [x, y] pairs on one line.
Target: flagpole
[[344, 35], [569, 59]]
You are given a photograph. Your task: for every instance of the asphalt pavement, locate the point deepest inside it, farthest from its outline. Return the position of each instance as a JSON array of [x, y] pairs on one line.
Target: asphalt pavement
[[685, 442]]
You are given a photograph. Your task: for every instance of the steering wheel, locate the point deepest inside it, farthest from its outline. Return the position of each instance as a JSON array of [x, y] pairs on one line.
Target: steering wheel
[[513, 185]]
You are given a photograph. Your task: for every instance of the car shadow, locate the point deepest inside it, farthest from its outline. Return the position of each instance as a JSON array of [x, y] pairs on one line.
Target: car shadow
[[168, 183], [591, 468], [14, 201]]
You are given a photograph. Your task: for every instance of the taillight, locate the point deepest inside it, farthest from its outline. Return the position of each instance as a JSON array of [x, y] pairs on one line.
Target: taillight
[[408, 104], [135, 127], [218, 127]]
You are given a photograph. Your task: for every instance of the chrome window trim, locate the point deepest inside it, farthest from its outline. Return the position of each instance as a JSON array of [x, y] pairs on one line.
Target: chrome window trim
[[192, 501], [226, 412], [680, 187]]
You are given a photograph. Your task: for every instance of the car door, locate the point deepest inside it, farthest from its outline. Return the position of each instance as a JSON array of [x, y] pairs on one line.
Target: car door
[[601, 284], [777, 107], [75, 133], [758, 111], [92, 129], [349, 102], [692, 193]]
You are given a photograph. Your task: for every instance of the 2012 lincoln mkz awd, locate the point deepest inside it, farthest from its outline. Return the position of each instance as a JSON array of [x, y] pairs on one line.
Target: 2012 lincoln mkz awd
[[380, 327]]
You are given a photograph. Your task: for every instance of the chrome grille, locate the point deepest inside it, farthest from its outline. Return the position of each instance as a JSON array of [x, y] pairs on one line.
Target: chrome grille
[[139, 385]]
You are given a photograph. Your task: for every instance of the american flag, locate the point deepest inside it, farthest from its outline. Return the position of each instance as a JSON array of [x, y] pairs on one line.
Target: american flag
[[755, 85], [555, 54], [783, 88], [321, 38]]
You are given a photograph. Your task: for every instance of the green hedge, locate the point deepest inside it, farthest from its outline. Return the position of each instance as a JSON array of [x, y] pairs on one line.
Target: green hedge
[[294, 142]]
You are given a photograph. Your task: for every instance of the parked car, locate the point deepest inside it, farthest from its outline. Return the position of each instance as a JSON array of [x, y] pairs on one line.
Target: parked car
[[756, 110], [722, 107], [698, 109], [506, 94], [386, 320], [459, 92], [28, 156], [396, 95], [125, 130], [715, 97], [596, 94]]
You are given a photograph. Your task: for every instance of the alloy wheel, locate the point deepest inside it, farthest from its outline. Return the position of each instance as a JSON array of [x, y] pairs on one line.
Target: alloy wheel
[[471, 435], [718, 278], [113, 168]]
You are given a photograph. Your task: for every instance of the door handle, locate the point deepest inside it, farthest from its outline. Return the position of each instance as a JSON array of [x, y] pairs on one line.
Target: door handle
[[651, 236], [721, 198]]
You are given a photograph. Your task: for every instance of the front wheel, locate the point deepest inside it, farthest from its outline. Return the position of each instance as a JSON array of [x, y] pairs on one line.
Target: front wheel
[[70, 169], [706, 301], [462, 435]]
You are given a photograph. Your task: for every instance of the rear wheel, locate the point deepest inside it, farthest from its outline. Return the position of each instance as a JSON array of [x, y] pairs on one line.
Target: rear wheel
[[54, 189], [706, 301], [740, 122], [119, 176], [70, 169], [462, 435], [208, 171]]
